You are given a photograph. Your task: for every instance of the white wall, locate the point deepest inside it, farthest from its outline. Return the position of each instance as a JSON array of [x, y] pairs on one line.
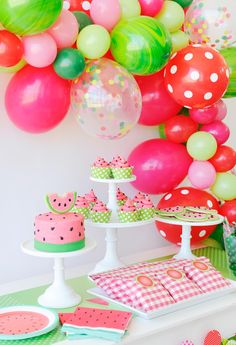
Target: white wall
[[33, 165]]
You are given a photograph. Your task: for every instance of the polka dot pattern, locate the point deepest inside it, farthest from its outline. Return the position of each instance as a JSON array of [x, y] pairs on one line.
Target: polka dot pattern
[[188, 94], [195, 75], [202, 233], [163, 234], [170, 88], [209, 203], [214, 77], [168, 196], [184, 192], [208, 95], [188, 57], [173, 69]]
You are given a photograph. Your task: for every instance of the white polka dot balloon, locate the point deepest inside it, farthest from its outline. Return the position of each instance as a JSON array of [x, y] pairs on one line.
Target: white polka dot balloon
[[197, 76]]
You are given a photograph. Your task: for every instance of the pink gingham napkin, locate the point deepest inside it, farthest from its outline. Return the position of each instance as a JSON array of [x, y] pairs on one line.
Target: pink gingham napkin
[[205, 276]]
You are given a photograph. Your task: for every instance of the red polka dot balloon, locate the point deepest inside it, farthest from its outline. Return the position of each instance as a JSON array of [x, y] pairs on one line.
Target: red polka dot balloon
[[78, 5], [186, 196], [197, 76]]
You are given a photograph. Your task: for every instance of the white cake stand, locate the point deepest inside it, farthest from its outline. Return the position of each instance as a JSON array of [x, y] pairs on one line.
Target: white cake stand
[[185, 250], [59, 294], [111, 259]]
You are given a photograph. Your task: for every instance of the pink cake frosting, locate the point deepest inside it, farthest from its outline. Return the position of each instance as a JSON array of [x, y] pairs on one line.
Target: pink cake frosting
[[100, 207], [147, 203], [119, 162], [59, 228], [120, 195], [101, 163], [139, 197], [90, 197], [128, 206], [81, 202]]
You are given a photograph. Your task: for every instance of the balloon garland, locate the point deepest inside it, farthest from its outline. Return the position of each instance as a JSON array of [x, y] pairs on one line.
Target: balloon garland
[[122, 62]]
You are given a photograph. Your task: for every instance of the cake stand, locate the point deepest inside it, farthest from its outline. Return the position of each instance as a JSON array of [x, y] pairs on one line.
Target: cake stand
[[111, 259], [185, 250], [59, 294]]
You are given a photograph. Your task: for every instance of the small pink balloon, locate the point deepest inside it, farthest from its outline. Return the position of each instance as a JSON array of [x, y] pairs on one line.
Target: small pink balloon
[[65, 29], [150, 7], [219, 130], [222, 110], [201, 174], [105, 12], [205, 115], [39, 50]]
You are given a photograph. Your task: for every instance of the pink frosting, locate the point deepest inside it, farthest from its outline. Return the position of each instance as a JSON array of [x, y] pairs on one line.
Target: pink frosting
[[81, 202], [100, 207], [119, 162], [120, 195], [90, 197], [128, 206], [101, 163], [139, 196], [147, 203]]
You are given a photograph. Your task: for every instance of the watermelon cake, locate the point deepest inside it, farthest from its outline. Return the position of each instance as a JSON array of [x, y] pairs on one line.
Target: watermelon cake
[[59, 230]]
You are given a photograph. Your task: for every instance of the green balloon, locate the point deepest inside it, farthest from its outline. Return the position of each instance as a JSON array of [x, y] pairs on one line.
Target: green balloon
[[230, 56], [142, 45], [218, 235], [184, 3], [225, 186], [83, 19], [69, 63], [201, 146], [162, 132], [28, 17]]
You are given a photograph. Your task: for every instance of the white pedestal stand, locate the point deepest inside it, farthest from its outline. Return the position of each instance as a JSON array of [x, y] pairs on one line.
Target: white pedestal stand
[[111, 259], [185, 250], [59, 294]]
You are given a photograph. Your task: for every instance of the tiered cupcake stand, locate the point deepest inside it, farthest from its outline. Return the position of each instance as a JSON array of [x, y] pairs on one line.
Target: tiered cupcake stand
[[111, 259], [59, 294]]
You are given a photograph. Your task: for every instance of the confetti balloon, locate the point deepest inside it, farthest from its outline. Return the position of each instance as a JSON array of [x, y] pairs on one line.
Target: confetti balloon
[[27, 17], [106, 100], [197, 76], [142, 45], [212, 22]]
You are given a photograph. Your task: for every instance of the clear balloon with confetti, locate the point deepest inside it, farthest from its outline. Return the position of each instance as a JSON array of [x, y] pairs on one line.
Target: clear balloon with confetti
[[106, 100]]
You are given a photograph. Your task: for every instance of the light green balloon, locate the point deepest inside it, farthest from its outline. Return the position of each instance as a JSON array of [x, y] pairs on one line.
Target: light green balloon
[[93, 41], [171, 15], [225, 186], [130, 8], [180, 40], [201, 146]]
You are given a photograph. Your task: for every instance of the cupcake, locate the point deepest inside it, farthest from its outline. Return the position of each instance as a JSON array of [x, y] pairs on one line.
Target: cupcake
[[101, 169], [120, 168], [147, 210], [128, 212], [139, 197], [100, 213], [81, 206], [120, 197], [90, 198]]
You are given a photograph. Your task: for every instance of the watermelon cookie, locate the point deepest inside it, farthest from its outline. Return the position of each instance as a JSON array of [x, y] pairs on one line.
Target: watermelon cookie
[[120, 197], [100, 213], [81, 206], [91, 198], [201, 209], [128, 212], [60, 231], [120, 168], [147, 210], [192, 216], [101, 169], [170, 211]]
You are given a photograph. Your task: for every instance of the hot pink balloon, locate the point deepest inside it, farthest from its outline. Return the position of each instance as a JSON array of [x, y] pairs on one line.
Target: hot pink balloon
[[37, 99], [39, 50], [105, 12], [219, 130], [158, 106], [150, 7], [159, 165], [65, 29], [202, 174], [205, 115], [222, 110]]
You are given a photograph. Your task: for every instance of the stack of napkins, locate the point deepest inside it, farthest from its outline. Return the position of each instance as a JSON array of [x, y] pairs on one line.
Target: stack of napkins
[[95, 322]]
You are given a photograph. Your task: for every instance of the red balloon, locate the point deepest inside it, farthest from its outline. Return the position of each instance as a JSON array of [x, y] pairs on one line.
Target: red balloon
[[228, 209], [80, 5], [11, 49], [150, 7], [224, 158], [219, 130], [159, 165], [158, 105], [179, 128], [197, 76], [37, 99], [186, 196]]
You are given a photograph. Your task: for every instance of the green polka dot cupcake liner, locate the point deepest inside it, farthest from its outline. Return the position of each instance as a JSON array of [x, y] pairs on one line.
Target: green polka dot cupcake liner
[[128, 217], [122, 173], [100, 217], [82, 210], [121, 202], [101, 173], [146, 213]]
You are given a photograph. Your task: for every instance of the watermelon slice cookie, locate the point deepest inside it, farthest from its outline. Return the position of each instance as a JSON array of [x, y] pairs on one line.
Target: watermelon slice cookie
[[192, 216], [171, 211], [201, 209], [61, 204]]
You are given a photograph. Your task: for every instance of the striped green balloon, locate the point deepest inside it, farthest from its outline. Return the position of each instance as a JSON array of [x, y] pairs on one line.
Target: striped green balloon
[[28, 17], [230, 56], [141, 44]]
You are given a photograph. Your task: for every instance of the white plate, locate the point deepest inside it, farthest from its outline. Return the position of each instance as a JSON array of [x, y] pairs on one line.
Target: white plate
[[171, 308]]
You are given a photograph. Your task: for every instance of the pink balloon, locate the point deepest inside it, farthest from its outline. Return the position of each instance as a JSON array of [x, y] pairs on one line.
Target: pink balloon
[[202, 174], [219, 130], [65, 29], [105, 12], [39, 50], [37, 99], [205, 115], [222, 110], [150, 7], [159, 165], [158, 105]]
